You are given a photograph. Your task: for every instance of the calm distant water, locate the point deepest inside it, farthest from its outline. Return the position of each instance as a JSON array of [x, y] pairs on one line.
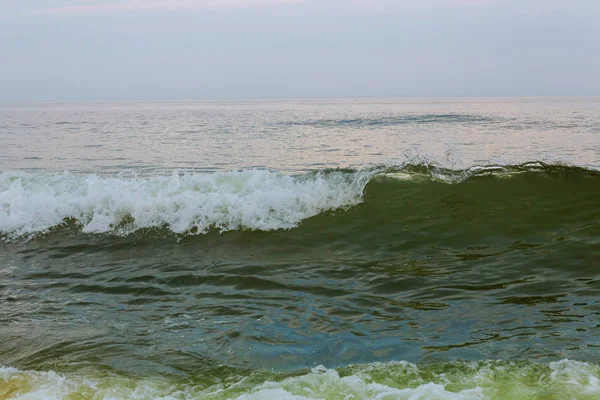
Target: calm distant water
[[377, 249]]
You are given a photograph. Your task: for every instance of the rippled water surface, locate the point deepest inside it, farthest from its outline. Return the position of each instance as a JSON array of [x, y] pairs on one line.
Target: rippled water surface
[[374, 249], [296, 136]]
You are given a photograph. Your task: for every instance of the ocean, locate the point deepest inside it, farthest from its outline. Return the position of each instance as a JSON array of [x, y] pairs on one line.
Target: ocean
[[341, 249]]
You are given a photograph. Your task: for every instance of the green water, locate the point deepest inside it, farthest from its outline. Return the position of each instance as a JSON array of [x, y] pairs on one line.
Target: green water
[[351, 249], [431, 266]]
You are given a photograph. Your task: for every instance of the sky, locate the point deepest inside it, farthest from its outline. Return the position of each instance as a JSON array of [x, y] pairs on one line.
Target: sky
[[152, 50]]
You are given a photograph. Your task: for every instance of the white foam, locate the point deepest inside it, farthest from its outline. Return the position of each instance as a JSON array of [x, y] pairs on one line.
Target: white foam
[[319, 384], [380, 381], [323, 383], [254, 199]]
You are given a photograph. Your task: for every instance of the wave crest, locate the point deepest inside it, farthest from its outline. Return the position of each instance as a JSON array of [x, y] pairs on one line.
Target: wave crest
[[189, 203], [194, 203]]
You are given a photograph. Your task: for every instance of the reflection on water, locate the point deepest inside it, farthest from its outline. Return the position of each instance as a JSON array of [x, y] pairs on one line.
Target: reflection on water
[[420, 271], [297, 136]]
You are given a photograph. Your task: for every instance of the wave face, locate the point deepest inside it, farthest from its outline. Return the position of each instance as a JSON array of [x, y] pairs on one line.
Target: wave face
[[189, 203], [341, 268], [194, 203], [399, 380]]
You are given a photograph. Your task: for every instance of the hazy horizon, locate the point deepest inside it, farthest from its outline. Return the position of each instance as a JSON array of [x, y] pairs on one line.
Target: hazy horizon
[[196, 50], [296, 99]]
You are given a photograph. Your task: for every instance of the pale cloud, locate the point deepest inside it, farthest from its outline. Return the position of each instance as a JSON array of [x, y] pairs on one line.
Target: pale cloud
[[116, 6], [419, 5], [159, 5], [206, 49], [107, 7]]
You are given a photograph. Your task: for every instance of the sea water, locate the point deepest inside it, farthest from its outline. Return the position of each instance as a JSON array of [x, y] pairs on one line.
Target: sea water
[[356, 249]]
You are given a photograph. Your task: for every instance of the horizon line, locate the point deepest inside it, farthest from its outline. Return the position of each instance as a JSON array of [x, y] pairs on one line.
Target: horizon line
[[283, 99]]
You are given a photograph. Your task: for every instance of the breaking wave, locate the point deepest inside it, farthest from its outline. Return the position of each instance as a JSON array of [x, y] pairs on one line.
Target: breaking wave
[[194, 203], [481, 380]]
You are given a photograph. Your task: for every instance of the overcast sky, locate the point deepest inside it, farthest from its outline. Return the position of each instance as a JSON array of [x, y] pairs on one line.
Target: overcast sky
[[88, 50]]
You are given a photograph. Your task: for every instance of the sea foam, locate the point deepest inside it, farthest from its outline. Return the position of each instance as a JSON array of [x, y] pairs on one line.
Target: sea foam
[[483, 380], [32, 203]]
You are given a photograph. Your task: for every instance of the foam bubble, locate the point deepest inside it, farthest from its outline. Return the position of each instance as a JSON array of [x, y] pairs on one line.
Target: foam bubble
[[322, 383], [396, 380], [185, 203]]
